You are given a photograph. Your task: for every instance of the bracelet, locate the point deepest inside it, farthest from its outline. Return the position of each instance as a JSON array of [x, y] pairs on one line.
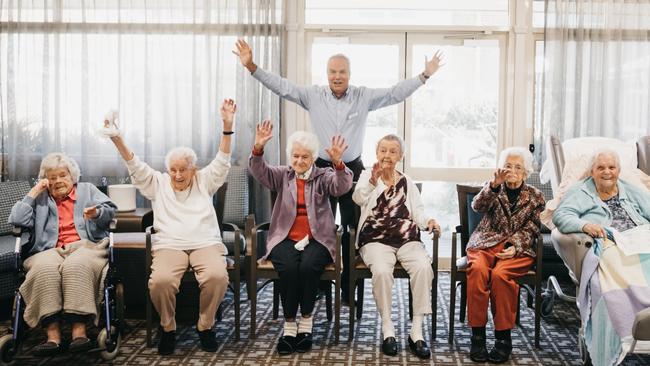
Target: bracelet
[[228, 132], [425, 76]]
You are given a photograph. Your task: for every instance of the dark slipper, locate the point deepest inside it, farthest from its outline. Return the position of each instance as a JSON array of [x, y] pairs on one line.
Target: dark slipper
[[80, 344], [286, 345], [303, 342], [500, 353], [478, 351], [47, 349]]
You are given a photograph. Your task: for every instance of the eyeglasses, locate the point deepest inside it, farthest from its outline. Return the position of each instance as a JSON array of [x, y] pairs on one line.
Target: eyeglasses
[[516, 168]]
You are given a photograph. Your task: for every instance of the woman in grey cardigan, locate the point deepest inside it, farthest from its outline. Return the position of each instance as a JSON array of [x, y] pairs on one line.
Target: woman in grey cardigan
[[69, 223], [301, 237]]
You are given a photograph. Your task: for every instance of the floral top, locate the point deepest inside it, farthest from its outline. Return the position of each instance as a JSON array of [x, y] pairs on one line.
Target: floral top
[[621, 221]]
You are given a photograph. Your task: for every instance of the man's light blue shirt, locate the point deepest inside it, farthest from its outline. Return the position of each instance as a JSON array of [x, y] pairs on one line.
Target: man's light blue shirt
[[345, 116]]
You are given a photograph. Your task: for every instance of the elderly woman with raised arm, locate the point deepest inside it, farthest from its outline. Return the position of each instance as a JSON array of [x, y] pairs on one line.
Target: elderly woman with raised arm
[[392, 216], [69, 221], [500, 250], [301, 238], [187, 231]]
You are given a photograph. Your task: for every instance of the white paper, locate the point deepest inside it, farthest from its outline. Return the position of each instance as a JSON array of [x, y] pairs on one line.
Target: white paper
[[633, 241]]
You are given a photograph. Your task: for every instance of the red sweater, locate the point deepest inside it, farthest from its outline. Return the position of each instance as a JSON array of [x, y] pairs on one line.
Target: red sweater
[[300, 227]]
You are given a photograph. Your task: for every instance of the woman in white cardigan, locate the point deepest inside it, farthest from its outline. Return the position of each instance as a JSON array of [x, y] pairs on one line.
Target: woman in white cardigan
[[392, 216]]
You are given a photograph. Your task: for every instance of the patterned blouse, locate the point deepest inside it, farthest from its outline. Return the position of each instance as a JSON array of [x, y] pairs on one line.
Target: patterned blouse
[[390, 222], [621, 221]]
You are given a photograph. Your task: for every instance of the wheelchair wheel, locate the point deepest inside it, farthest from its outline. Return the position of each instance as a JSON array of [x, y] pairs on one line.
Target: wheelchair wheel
[[7, 349], [109, 352], [548, 300]]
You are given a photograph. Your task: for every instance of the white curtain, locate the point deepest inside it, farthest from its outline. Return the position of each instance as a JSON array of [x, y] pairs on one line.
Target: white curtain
[[165, 64], [596, 79]]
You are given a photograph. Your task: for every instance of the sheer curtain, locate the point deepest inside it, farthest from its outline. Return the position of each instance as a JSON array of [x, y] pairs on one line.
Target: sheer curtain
[[165, 64], [596, 79]]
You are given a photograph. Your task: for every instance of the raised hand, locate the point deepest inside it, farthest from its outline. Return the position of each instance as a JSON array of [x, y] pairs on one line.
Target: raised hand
[[91, 213], [433, 227], [499, 177], [263, 133], [375, 173], [336, 150], [245, 54], [39, 188], [228, 109], [431, 66]]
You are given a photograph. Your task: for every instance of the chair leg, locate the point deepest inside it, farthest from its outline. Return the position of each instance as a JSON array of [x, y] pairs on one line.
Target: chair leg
[[410, 301], [434, 307], [328, 301], [538, 316], [463, 301], [351, 305], [237, 294], [220, 312], [360, 290], [337, 307], [276, 300], [148, 311], [518, 307], [452, 307], [253, 299]]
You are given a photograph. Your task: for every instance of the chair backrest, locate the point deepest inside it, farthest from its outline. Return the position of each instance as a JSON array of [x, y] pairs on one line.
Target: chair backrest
[[643, 153], [219, 201], [469, 219], [10, 193], [557, 157], [236, 203]]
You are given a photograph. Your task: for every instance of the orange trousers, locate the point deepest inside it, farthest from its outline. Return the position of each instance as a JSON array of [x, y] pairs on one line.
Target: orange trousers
[[494, 279]]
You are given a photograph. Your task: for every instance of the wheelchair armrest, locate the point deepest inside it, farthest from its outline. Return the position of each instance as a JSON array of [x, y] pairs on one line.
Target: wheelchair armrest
[[17, 231], [112, 226], [572, 248]]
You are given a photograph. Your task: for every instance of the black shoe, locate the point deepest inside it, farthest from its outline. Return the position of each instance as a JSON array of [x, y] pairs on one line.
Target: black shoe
[[389, 346], [303, 342], [47, 349], [500, 353], [420, 349], [80, 344], [478, 351], [167, 343], [208, 340], [286, 345]]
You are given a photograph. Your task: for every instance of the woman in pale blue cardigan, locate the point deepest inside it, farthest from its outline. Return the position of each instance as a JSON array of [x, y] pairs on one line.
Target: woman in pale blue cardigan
[[69, 223]]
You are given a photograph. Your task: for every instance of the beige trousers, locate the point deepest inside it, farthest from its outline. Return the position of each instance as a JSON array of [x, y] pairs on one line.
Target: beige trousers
[[167, 269], [381, 259]]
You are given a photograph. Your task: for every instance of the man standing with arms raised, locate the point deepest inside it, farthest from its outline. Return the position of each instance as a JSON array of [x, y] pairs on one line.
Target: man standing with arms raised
[[338, 109]]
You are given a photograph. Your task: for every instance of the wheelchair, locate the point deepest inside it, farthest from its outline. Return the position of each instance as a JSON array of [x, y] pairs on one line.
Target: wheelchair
[[109, 338]]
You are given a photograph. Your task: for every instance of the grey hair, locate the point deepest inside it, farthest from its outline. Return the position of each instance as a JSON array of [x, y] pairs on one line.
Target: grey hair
[[181, 152], [392, 137], [605, 151], [57, 160], [304, 139], [521, 152], [342, 56]]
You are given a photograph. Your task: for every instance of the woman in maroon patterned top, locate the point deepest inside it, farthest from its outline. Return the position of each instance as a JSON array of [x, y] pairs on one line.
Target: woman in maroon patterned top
[[392, 216]]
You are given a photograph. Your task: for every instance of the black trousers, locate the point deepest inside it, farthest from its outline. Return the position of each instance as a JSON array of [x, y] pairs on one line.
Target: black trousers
[[346, 207], [300, 273]]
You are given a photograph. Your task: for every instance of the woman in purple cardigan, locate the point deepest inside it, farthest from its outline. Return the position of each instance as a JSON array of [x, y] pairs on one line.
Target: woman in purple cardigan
[[301, 237]]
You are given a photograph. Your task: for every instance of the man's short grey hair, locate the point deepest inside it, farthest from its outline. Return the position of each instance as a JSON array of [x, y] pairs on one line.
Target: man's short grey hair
[[181, 152], [521, 152], [392, 137], [57, 160], [303, 139], [341, 56], [607, 152]]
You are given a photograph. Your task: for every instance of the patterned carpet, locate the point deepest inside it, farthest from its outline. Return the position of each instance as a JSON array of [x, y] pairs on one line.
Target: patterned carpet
[[558, 340]]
